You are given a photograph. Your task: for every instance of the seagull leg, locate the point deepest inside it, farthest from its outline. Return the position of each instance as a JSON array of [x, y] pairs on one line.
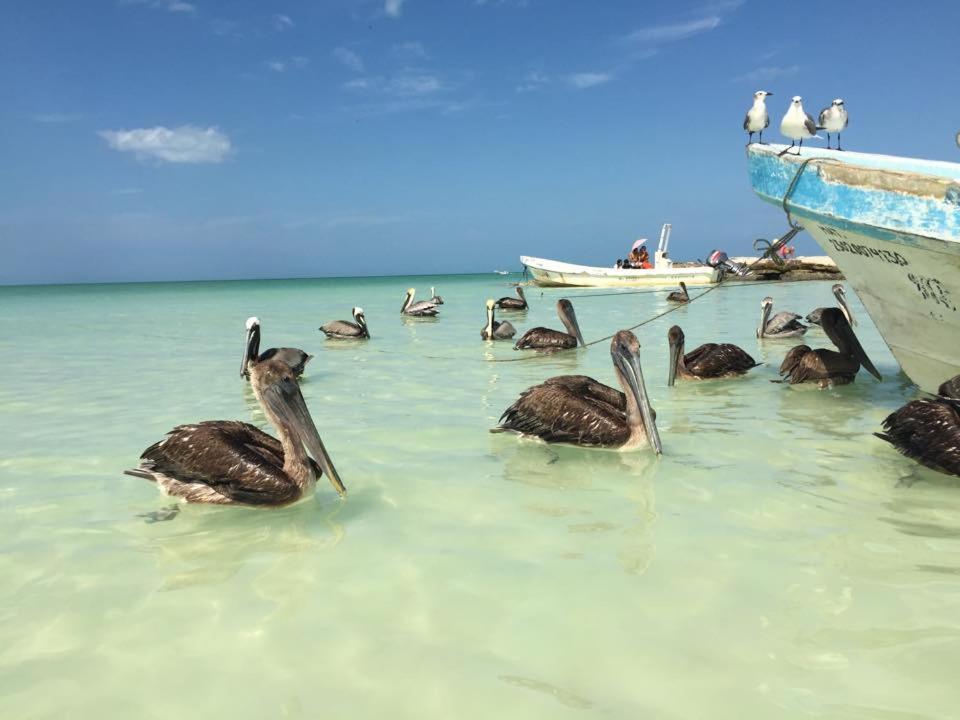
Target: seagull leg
[[785, 150], [761, 137], [750, 138], [838, 142], [800, 148], [828, 141]]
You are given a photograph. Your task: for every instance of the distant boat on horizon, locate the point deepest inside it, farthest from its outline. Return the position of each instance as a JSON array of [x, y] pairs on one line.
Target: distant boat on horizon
[[502, 272]]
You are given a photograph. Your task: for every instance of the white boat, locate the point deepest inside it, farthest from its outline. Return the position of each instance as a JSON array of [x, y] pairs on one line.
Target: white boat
[[892, 225], [553, 273]]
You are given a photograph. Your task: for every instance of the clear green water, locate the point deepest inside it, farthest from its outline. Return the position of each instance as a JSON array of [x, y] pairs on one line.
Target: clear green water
[[777, 561]]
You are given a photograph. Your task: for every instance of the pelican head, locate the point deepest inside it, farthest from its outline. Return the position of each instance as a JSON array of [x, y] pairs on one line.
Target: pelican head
[[841, 295], [278, 392], [520, 293], [625, 351], [361, 320], [490, 304], [835, 325], [251, 348], [765, 305], [569, 319], [675, 338]]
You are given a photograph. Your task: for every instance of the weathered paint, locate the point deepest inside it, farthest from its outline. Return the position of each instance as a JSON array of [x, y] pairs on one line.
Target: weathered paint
[[893, 227]]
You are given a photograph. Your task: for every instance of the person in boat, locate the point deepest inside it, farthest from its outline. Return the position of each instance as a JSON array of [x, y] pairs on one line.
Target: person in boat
[[639, 258]]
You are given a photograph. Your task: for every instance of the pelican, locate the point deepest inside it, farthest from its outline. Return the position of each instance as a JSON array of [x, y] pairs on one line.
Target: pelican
[[295, 358], [424, 308], [928, 430], [781, 325], [579, 410], [706, 362], [840, 294], [227, 462], [827, 367], [434, 298], [679, 296], [541, 338], [513, 303], [495, 330], [345, 330]]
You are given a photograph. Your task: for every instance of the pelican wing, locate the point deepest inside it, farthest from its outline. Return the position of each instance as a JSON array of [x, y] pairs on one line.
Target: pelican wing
[[792, 359], [511, 303], [927, 431], [586, 386], [554, 412], [541, 338], [784, 322], [713, 360], [424, 307], [818, 366], [503, 330], [342, 328]]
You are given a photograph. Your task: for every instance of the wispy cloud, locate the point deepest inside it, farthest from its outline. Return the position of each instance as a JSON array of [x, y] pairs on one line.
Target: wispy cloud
[[532, 81], [294, 63], [673, 32], [281, 22], [56, 118], [584, 80], [184, 144], [403, 84], [393, 8], [127, 191], [409, 51], [349, 59], [763, 75], [175, 6]]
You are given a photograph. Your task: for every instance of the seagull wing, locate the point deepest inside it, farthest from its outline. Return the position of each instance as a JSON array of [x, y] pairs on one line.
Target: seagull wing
[[809, 124], [746, 121], [822, 119]]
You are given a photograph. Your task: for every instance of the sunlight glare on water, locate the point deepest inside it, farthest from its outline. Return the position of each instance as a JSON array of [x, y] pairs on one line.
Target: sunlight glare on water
[[777, 560]]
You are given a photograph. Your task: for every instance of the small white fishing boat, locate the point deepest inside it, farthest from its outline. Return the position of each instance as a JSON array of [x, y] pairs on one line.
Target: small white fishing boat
[[553, 273]]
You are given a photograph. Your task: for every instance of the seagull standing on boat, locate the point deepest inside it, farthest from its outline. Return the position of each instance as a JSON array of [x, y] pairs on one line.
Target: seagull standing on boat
[[495, 330], [295, 358], [827, 367], [541, 338], [834, 119], [797, 124], [928, 430], [782, 325], [707, 362], [757, 118], [513, 303], [346, 330], [227, 462], [814, 316], [577, 409], [679, 296], [424, 308], [434, 298]]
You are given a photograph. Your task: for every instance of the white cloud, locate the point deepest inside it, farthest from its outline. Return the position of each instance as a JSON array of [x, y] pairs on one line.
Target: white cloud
[[763, 75], [282, 65], [281, 22], [349, 59], [393, 7], [410, 85], [409, 51], [588, 79], [175, 6], [532, 81], [184, 144], [674, 32], [277, 65]]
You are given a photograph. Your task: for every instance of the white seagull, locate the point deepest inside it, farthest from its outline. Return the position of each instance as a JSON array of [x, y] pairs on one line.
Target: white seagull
[[797, 124], [757, 118], [834, 119]]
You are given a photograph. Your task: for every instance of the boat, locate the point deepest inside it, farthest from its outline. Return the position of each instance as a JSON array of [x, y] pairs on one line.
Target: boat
[[554, 273], [892, 225]]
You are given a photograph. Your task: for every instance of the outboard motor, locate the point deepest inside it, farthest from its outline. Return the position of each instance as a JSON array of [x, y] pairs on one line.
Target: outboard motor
[[719, 259]]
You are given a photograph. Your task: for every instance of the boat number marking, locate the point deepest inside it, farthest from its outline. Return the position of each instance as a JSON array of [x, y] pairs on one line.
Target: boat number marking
[[932, 289], [842, 244]]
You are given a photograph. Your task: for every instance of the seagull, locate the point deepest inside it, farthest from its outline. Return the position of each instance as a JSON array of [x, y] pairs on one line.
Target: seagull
[[757, 118], [834, 119], [797, 124]]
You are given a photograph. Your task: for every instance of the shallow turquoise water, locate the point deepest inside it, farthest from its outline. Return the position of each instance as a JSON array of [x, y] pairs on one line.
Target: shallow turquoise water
[[777, 561]]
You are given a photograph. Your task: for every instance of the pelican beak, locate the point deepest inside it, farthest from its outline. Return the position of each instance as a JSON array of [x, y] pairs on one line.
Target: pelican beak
[[764, 316], [844, 308], [859, 353], [250, 349], [287, 403], [628, 361], [569, 319], [362, 321], [674, 359]]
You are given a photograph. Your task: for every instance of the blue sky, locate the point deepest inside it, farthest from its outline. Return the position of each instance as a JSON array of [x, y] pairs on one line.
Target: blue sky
[[192, 139]]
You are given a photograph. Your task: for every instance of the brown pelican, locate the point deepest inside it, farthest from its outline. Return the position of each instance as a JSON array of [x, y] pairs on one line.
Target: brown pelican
[[679, 296], [434, 298], [579, 410], [227, 462], [541, 338], [513, 303], [827, 367], [781, 325], [840, 294], [295, 358], [345, 330], [495, 330], [707, 361], [928, 430], [424, 308]]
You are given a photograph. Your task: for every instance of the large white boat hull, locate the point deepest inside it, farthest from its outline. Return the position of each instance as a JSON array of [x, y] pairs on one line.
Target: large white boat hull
[[553, 273]]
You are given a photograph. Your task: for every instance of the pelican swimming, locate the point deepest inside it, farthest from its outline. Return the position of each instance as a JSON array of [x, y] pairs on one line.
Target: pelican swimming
[[513, 303], [541, 338], [434, 298], [345, 330], [781, 325], [928, 430], [424, 308], [227, 462], [706, 362], [827, 367], [679, 296], [295, 358], [579, 410], [814, 316], [495, 330]]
